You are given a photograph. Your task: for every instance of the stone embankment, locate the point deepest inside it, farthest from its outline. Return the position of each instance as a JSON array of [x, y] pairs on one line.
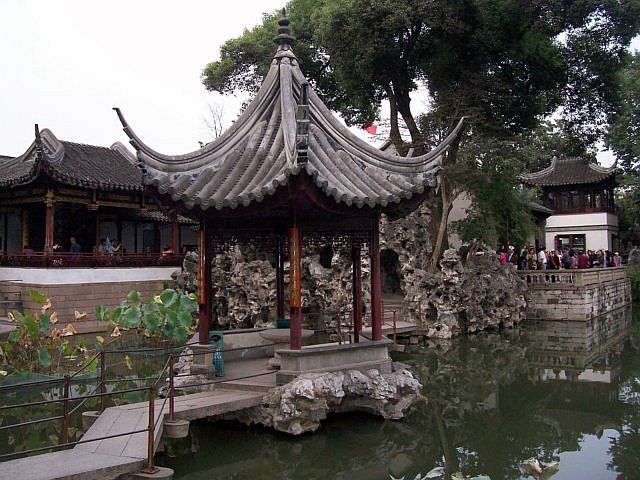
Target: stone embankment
[[300, 405]]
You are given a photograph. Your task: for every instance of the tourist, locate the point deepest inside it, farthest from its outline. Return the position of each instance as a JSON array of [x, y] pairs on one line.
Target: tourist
[[503, 256], [75, 246], [583, 260], [573, 259], [512, 257], [553, 261], [167, 251], [608, 258], [532, 261], [102, 248], [566, 259], [115, 246], [542, 259], [27, 251], [617, 260]]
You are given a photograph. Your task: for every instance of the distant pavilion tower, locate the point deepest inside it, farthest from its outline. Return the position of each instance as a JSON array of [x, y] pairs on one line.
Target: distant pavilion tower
[[580, 193], [288, 175]]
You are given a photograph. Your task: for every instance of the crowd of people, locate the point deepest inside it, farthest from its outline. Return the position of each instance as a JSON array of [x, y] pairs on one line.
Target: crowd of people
[[530, 259]]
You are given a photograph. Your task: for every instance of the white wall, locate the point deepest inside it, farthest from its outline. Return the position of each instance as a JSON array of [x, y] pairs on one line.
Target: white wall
[[53, 276], [599, 219], [595, 239], [598, 229], [458, 212]]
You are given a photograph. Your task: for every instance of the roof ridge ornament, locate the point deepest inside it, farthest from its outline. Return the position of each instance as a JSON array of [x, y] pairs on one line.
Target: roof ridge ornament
[[284, 39], [302, 124]]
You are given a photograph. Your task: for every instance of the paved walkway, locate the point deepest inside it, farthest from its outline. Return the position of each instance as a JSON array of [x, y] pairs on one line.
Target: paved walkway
[[243, 387]]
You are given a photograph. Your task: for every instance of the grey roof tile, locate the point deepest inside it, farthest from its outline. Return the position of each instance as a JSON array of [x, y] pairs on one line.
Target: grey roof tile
[[73, 164], [258, 154], [569, 171]]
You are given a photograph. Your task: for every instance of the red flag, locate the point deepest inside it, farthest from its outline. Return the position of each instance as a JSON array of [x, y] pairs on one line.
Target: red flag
[[370, 128]]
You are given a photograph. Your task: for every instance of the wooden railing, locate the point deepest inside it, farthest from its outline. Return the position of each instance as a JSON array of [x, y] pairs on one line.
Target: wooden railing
[[80, 260], [571, 278]]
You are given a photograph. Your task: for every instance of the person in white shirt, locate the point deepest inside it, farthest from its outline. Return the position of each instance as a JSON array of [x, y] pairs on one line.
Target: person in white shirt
[[542, 258]]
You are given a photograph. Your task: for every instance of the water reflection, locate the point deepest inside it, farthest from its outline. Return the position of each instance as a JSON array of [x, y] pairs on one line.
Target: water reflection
[[565, 391]]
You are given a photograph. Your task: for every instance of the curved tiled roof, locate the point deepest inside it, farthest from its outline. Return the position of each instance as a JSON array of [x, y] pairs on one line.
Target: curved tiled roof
[[260, 153], [73, 164], [569, 171]]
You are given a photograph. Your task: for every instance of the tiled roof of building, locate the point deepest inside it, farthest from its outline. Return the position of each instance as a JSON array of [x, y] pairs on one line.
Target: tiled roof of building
[[569, 171], [158, 216], [538, 208], [261, 152], [71, 163]]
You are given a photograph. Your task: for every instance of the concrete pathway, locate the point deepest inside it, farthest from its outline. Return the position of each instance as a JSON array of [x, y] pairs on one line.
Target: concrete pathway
[[242, 387]]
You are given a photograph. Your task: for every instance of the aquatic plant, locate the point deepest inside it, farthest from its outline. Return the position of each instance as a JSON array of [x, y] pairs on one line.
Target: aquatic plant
[[37, 343], [167, 315]]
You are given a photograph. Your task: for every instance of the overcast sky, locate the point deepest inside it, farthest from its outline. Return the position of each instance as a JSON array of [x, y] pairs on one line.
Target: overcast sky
[[66, 63]]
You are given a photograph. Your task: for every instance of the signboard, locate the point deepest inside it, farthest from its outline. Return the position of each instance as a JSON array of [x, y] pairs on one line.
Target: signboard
[[295, 294]]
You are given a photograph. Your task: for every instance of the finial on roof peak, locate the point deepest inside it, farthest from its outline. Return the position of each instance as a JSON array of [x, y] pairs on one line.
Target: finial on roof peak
[[284, 39]]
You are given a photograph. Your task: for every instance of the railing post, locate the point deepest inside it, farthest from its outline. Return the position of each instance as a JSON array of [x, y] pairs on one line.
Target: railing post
[[102, 379], [151, 468], [64, 435], [172, 417], [394, 328]]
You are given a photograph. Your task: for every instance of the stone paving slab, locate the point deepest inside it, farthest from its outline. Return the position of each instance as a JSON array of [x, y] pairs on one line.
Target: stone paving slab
[[69, 465], [113, 457]]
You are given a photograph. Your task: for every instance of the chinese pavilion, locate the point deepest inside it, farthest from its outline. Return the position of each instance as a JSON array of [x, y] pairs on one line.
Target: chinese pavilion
[[580, 193], [288, 175], [59, 189]]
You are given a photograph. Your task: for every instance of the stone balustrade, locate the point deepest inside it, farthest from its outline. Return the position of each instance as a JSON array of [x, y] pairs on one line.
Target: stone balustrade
[[571, 278], [575, 294]]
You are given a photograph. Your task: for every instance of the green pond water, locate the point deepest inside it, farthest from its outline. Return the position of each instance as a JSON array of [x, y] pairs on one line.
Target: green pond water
[[554, 391]]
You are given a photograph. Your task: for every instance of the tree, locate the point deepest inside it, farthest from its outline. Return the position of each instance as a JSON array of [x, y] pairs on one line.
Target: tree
[[624, 139], [504, 64]]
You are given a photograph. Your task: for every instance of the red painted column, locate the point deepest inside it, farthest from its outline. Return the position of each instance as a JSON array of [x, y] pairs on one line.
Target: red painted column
[[280, 279], [376, 285], [49, 203], [357, 293], [175, 236], [204, 288], [295, 290]]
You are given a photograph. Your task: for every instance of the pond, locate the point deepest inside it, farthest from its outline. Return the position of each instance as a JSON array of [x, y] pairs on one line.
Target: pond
[[551, 390]]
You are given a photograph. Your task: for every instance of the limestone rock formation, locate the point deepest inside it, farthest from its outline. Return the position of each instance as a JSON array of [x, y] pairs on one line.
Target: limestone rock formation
[[634, 256], [458, 298], [302, 404], [481, 295]]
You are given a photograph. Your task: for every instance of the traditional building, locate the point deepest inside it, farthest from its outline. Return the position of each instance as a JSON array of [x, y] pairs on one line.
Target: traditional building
[[288, 175], [580, 193], [59, 189]]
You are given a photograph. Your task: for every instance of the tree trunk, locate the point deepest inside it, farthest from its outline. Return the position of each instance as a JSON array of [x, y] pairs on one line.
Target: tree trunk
[[447, 201], [442, 228], [394, 135], [403, 101]]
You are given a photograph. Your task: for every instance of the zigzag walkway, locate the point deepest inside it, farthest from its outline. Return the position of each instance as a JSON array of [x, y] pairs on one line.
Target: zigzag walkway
[[114, 457]]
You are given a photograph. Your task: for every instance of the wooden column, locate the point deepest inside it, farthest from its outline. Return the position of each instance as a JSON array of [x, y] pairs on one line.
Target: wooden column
[[357, 293], [295, 291], [175, 236], [49, 202], [280, 278], [376, 285], [204, 288], [25, 229]]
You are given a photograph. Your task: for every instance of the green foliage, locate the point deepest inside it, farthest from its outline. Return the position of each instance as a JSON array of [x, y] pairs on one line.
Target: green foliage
[[633, 272], [37, 343], [166, 315]]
